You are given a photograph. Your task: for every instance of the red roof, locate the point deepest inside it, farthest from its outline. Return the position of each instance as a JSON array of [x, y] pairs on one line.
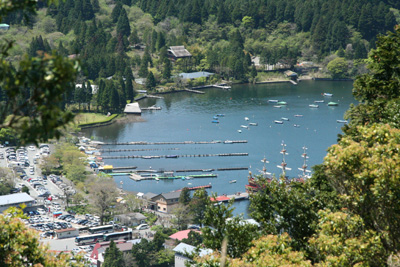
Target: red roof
[[182, 234], [220, 198]]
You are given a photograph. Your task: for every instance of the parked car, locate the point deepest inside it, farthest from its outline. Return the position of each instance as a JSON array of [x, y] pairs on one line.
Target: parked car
[[142, 227]]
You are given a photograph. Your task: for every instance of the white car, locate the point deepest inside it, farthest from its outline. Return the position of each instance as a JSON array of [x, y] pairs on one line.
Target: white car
[[142, 227], [32, 148]]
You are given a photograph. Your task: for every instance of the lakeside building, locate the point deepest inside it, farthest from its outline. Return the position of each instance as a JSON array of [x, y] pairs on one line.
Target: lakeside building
[[4, 26], [133, 108], [195, 75], [15, 200], [178, 52]]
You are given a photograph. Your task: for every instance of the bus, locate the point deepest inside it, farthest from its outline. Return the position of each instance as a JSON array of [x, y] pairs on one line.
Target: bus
[[127, 235], [101, 229], [88, 239]]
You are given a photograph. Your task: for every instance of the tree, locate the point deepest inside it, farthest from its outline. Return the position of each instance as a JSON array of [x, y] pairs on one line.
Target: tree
[[184, 197], [103, 195], [198, 205], [113, 256], [150, 81], [338, 68], [130, 92], [167, 69], [363, 169], [182, 217], [116, 12], [140, 253], [123, 27]]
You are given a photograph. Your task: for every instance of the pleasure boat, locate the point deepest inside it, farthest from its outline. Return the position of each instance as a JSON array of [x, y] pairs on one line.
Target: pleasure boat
[[313, 106], [278, 122], [327, 94]]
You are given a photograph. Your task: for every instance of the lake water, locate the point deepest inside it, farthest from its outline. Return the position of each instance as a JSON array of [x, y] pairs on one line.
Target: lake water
[[188, 117]]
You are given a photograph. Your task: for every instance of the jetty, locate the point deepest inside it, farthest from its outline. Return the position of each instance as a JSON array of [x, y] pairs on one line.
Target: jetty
[[128, 150], [210, 170], [137, 177], [194, 91], [222, 86], [293, 82], [175, 143], [196, 187], [236, 197], [177, 156], [152, 108], [154, 96]]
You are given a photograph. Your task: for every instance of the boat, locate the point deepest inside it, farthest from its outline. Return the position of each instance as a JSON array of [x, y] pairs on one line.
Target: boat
[[232, 181], [171, 156], [254, 183], [157, 179], [239, 131], [327, 94], [215, 118], [303, 168], [313, 106], [283, 165], [341, 121], [277, 106], [298, 115], [282, 103], [228, 142], [216, 141], [284, 119], [333, 104], [253, 124], [244, 126], [220, 115], [319, 101], [207, 170], [272, 101], [278, 122], [215, 121], [296, 125], [146, 157], [246, 118]]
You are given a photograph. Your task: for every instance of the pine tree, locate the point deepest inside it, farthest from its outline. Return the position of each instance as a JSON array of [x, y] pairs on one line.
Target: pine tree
[[160, 41], [150, 81], [113, 256], [123, 24], [143, 71], [167, 69], [134, 38], [96, 6], [87, 10], [130, 94], [89, 94], [116, 12], [114, 98]]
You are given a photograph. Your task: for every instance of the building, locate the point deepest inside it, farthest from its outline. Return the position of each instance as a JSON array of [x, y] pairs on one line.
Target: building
[[133, 108], [195, 75], [166, 202], [291, 74], [95, 88], [67, 233], [97, 256], [184, 252], [177, 52], [130, 219], [4, 26], [15, 200]]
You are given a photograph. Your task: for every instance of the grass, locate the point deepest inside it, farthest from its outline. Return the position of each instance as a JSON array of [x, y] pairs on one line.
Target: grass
[[90, 118]]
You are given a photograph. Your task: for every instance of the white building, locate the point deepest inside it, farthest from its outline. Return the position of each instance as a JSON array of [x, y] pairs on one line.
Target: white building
[[67, 233], [183, 253]]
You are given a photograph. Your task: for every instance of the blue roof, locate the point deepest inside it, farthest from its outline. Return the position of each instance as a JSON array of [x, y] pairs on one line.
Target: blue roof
[[194, 75]]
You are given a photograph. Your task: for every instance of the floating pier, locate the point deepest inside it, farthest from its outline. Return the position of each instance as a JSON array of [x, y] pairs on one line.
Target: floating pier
[[177, 143], [154, 96], [236, 197], [137, 177], [196, 187], [177, 156], [129, 150], [222, 86], [194, 91]]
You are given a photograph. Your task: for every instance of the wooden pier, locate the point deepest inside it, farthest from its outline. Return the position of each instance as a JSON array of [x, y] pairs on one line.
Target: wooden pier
[[222, 86], [154, 96], [293, 82], [138, 177], [177, 143], [177, 156], [236, 197], [194, 91], [129, 150]]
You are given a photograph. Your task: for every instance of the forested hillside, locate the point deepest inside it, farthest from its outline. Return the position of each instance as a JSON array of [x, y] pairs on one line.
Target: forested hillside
[[128, 39]]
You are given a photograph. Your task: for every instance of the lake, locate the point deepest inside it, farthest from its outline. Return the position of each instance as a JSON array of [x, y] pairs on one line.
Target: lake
[[188, 117]]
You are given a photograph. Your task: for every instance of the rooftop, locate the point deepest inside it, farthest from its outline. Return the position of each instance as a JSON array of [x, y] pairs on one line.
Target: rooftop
[[15, 199], [184, 248], [132, 108], [171, 195], [182, 234], [179, 51], [194, 75]]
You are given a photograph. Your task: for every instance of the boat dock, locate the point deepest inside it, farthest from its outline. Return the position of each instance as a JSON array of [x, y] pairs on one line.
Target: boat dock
[[152, 108], [194, 91], [236, 197], [137, 177], [196, 187], [177, 156], [177, 143], [222, 86], [219, 169], [128, 150], [293, 82], [154, 96]]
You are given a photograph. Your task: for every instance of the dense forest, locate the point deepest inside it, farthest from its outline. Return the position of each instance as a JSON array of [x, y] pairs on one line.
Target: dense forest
[[126, 39]]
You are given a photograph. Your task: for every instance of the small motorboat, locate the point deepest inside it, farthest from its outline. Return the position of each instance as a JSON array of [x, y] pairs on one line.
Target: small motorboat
[[282, 103], [215, 121], [220, 115], [277, 106], [215, 118], [207, 170], [228, 142], [157, 179], [319, 101], [272, 101], [239, 131], [278, 122], [285, 119], [327, 94], [333, 104], [171, 156], [244, 126], [232, 181], [146, 157], [341, 121], [246, 118], [298, 115], [253, 124], [313, 106], [296, 125]]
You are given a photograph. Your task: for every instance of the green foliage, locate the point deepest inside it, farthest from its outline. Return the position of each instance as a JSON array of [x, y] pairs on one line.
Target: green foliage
[[198, 205], [113, 256], [184, 197], [194, 238], [150, 81], [338, 68]]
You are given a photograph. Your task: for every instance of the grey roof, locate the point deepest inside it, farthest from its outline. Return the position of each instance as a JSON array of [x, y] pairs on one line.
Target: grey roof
[[133, 108], [184, 248], [15, 199], [194, 75], [134, 215], [179, 51], [134, 241], [149, 195], [171, 195]]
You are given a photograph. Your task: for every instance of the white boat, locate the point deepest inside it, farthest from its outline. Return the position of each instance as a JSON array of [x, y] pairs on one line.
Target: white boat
[[157, 179], [228, 142], [327, 94], [244, 126], [277, 106], [273, 101], [283, 165], [278, 122], [296, 125], [246, 118], [313, 106], [298, 115], [341, 121], [319, 101], [239, 131], [284, 119], [207, 170], [303, 168], [253, 124], [232, 181]]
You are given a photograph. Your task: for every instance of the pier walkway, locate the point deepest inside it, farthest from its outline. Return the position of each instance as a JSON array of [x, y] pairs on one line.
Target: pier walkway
[[176, 143], [177, 156], [194, 91], [236, 197]]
